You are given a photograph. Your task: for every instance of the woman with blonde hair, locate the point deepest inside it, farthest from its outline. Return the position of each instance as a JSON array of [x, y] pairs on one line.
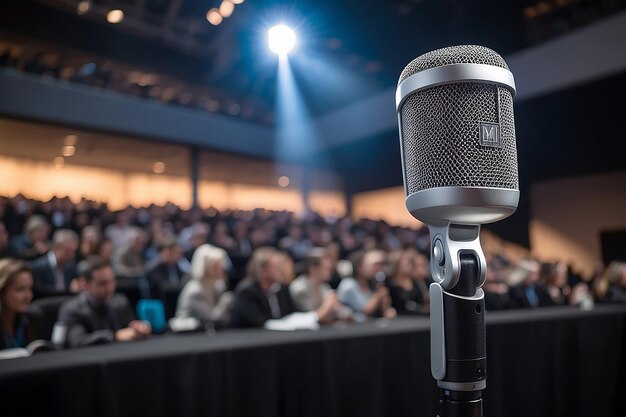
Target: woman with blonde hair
[[611, 286], [16, 293], [205, 296]]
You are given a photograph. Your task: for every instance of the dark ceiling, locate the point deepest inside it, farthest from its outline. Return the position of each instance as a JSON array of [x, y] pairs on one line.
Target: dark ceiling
[[348, 49]]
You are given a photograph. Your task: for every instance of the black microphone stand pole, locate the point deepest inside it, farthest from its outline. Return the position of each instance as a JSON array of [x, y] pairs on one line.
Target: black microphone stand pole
[[457, 320]]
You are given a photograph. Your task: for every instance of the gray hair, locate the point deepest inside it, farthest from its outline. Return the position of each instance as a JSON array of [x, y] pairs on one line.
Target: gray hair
[[62, 236], [204, 257]]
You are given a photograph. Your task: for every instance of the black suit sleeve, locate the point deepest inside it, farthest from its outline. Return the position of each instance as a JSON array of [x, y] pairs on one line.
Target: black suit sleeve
[[248, 310], [123, 310], [78, 329], [287, 305]]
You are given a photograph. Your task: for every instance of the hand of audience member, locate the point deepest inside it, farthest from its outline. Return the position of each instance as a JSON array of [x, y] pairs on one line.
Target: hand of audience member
[[327, 311], [143, 328], [127, 334], [75, 286], [381, 292], [384, 300], [578, 293], [390, 313], [136, 330], [41, 247]]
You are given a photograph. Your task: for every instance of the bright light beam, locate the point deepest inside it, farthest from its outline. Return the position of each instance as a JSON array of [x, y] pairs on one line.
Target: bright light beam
[[281, 39], [295, 131]]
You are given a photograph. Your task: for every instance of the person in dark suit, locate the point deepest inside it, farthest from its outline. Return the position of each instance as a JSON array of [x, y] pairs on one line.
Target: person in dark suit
[[33, 242], [53, 272], [164, 275], [528, 292], [6, 251], [98, 315], [262, 297], [163, 272]]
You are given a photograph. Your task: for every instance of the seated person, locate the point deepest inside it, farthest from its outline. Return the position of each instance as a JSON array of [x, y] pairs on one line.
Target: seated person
[[366, 293], [128, 261], [527, 291], [405, 291], [261, 296], [497, 291], [53, 273], [286, 268], [34, 241], [310, 289], [98, 315], [6, 251], [163, 272], [554, 276], [16, 293], [611, 286], [204, 297]]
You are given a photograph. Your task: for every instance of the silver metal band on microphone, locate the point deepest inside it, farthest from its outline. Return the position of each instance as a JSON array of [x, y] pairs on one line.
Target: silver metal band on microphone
[[452, 73]]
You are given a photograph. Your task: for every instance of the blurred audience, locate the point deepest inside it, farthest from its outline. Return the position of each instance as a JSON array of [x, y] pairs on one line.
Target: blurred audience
[[16, 293], [5, 250], [527, 291], [99, 315], [611, 286], [205, 296], [497, 291], [90, 239], [128, 261], [311, 289], [407, 296], [164, 273], [34, 241], [365, 292], [54, 272], [153, 252], [261, 296]]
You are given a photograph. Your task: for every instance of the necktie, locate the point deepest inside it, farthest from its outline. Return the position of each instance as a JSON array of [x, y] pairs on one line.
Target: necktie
[[531, 295]]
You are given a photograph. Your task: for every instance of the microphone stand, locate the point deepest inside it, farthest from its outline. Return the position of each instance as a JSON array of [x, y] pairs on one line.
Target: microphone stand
[[457, 319]]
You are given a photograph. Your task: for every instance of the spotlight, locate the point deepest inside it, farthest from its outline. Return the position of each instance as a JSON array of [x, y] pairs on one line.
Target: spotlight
[[214, 17], [70, 140], [68, 150], [283, 181], [115, 16], [282, 39], [158, 167], [59, 162], [226, 8], [83, 7]]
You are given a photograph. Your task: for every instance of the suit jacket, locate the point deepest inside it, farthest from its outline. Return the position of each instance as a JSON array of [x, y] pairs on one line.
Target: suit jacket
[[23, 247], [158, 275], [519, 296], [251, 307], [88, 324], [44, 281]]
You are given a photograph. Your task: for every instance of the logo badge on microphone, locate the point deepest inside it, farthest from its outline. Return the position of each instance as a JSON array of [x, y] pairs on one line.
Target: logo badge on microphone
[[490, 134]]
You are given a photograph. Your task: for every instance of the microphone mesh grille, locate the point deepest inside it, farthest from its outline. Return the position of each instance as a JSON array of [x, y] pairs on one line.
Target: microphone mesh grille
[[463, 54], [441, 144]]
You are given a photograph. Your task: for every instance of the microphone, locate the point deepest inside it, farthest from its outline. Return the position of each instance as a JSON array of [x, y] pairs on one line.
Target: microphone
[[459, 165]]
